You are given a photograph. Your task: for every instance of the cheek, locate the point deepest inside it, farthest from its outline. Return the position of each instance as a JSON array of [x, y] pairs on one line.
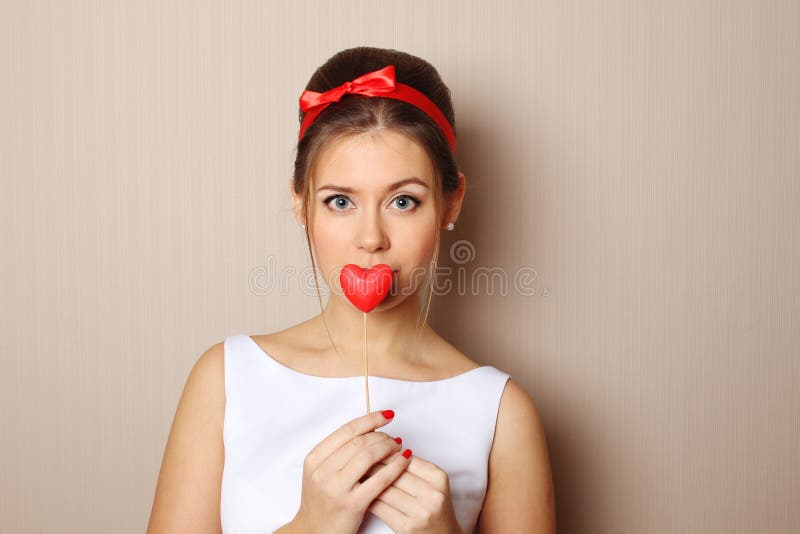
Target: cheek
[[417, 247], [330, 229], [331, 246], [323, 234]]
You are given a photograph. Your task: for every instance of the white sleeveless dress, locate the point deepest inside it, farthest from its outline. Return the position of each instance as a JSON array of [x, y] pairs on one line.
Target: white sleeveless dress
[[275, 415]]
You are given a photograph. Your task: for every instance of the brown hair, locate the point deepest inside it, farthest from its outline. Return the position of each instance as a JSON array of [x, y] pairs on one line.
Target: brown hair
[[358, 114]]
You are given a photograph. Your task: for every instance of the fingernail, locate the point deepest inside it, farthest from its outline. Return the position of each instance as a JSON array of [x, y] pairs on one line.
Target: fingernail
[[388, 414], [399, 440], [407, 453]]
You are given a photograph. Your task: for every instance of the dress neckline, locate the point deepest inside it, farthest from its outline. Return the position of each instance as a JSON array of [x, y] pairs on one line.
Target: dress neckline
[[292, 371]]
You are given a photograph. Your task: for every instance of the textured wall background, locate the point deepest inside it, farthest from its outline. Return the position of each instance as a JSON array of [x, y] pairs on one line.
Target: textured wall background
[[640, 159]]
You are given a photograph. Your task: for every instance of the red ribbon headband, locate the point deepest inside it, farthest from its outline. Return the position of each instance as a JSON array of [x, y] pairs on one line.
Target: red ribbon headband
[[377, 83]]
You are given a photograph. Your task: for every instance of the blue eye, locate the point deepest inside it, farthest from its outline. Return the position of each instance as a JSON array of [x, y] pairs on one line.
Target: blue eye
[[417, 202], [342, 197], [326, 202]]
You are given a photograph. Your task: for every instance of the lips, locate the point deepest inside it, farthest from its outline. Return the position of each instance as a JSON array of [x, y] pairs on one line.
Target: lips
[[369, 266]]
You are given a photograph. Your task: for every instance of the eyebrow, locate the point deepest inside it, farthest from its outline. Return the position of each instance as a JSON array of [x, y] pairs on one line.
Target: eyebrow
[[396, 185]]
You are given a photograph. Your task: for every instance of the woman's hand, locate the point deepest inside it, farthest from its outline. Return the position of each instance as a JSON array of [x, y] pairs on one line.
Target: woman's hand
[[418, 501], [333, 497]]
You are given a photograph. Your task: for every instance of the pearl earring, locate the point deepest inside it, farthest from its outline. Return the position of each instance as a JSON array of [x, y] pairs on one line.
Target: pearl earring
[[450, 226], [304, 226]]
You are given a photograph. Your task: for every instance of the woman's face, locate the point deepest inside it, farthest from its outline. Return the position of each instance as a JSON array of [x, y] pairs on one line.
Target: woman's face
[[361, 216]]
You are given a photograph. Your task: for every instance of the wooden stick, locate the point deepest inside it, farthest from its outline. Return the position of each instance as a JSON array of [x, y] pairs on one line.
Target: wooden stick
[[366, 363]]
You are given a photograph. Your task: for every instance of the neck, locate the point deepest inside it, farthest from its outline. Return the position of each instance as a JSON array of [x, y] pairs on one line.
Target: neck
[[392, 335]]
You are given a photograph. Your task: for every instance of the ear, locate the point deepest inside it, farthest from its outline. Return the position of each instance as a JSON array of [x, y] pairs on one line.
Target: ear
[[454, 201], [297, 203]]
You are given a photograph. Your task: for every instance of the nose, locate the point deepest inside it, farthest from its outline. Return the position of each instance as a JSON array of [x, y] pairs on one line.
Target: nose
[[372, 235]]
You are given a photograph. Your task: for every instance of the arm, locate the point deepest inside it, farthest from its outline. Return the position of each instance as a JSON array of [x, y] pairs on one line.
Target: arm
[[519, 495], [289, 528], [187, 497], [292, 527]]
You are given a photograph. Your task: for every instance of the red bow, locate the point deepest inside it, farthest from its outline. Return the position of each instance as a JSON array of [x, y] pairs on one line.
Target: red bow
[[370, 84], [377, 83]]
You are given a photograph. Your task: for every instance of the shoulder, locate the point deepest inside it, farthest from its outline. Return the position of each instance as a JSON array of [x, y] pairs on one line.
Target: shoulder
[[520, 478], [207, 376], [211, 360], [517, 419], [205, 385], [515, 403], [188, 490]]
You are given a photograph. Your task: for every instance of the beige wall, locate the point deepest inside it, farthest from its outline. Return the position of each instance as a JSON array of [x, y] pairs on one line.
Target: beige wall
[[640, 159]]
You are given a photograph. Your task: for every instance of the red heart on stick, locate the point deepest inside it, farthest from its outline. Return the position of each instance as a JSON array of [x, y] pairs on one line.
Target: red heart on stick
[[366, 288]]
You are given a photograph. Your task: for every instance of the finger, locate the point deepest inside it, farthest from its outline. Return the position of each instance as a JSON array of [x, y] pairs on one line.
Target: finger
[[430, 473], [387, 513], [381, 464], [416, 466], [421, 467], [358, 446], [407, 481], [401, 501], [373, 486], [345, 454], [420, 477], [345, 433], [364, 458]]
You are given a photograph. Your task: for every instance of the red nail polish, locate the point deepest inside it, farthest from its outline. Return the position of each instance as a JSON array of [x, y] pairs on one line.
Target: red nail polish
[[399, 440], [388, 414], [407, 453]]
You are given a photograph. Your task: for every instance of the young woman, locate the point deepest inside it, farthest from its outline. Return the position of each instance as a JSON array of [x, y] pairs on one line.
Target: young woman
[[270, 433]]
